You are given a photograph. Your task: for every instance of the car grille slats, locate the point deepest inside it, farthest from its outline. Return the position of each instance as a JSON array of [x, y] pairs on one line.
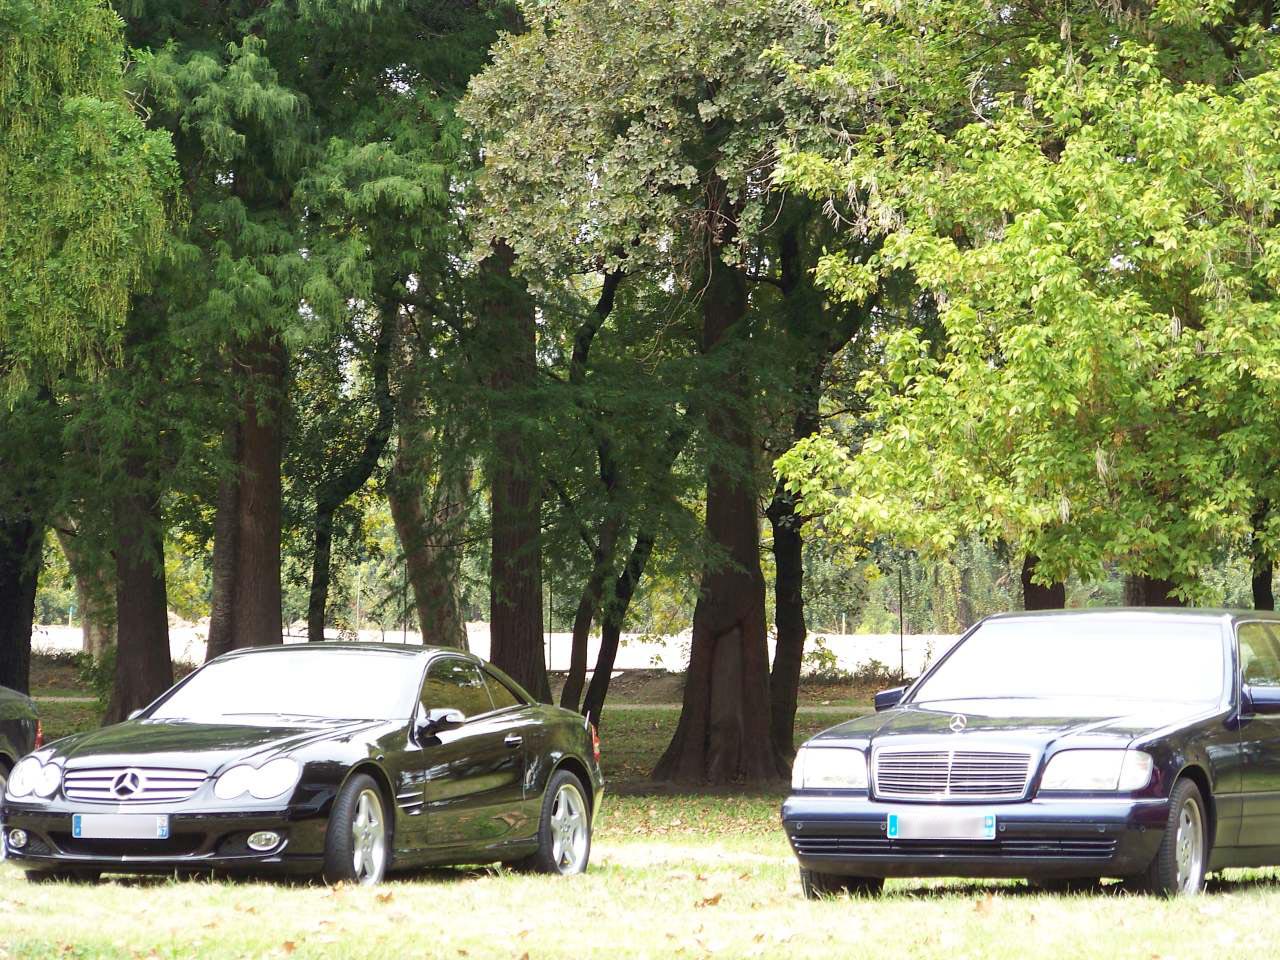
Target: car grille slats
[[149, 785], [1032, 847], [951, 774]]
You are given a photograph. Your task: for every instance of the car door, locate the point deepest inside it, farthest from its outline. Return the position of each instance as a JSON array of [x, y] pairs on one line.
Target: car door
[[1259, 651], [474, 772]]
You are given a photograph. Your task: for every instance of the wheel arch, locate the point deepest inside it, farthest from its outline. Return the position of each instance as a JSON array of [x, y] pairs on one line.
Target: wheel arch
[[579, 769], [379, 777]]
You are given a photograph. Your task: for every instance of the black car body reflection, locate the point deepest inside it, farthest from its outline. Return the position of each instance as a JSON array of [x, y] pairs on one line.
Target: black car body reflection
[[343, 759], [19, 730], [1139, 744]]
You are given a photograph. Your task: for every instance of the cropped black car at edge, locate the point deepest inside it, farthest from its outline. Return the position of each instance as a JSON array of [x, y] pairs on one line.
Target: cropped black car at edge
[[1059, 747], [345, 760]]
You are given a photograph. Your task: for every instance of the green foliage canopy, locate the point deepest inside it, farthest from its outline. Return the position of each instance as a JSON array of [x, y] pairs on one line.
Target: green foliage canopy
[[83, 189], [1100, 238]]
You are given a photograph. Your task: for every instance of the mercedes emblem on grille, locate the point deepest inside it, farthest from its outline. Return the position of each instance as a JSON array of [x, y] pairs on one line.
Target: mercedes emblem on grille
[[958, 723], [127, 784]]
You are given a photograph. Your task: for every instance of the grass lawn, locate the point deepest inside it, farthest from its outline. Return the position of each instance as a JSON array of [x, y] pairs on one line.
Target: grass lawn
[[671, 876]]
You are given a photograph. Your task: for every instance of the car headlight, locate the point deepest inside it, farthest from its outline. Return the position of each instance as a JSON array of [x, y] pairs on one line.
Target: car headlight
[[1097, 770], [829, 768], [270, 780], [48, 780], [22, 779], [32, 776]]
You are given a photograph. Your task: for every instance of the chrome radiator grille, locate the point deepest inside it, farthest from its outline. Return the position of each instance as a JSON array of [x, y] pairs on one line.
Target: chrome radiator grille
[[951, 774], [131, 784]]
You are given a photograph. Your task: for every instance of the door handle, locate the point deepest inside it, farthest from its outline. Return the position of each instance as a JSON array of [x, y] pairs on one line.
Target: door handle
[[513, 740]]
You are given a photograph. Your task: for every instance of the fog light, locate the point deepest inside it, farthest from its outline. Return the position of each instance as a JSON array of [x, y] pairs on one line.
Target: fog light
[[17, 839], [263, 840]]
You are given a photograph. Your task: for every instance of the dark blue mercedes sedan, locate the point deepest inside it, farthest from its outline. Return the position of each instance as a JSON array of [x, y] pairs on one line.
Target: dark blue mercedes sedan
[[1060, 747]]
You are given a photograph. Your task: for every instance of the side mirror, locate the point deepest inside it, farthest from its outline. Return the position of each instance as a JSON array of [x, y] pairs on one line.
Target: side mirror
[[886, 699], [1261, 701], [444, 718]]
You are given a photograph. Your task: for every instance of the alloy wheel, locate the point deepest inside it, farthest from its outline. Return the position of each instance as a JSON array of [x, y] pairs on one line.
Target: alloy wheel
[[1189, 847], [569, 826], [368, 838]]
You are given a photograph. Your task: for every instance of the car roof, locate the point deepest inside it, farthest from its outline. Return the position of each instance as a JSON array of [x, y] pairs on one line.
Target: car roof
[[1145, 613], [404, 649]]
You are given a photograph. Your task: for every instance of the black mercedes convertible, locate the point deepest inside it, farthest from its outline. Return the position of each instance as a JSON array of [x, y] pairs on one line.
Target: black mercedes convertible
[[1060, 747], [343, 760]]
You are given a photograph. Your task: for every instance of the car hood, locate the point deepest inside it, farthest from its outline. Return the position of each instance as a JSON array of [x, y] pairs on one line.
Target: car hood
[[187, 745], [1025, 723]]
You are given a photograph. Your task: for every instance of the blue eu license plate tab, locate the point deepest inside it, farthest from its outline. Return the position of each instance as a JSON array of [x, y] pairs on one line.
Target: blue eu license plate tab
[[120, 826], [941, 825]]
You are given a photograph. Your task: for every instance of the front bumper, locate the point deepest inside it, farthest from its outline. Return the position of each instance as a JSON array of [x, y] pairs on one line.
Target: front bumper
[[198, 840], [1038, 839]]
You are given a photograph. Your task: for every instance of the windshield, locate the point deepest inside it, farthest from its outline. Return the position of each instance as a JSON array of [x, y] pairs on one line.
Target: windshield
[[1083, 657], [298, 684]]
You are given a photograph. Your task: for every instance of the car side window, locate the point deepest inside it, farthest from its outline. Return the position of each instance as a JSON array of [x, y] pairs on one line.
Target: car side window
[[455, 684], [1259, 655], [500, 692]]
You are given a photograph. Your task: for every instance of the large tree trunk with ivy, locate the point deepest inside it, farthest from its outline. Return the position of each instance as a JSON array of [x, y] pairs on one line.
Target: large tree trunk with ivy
[[723, 734], [21, 539], [509, 335], [340, 485], [144, 669], [95, 591], [1038, 596], [245, 606]]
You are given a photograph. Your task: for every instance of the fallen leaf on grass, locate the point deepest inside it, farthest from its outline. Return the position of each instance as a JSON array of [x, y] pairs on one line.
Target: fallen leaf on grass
[[385, 897], [710, 901], [288, 946], [985, 904]]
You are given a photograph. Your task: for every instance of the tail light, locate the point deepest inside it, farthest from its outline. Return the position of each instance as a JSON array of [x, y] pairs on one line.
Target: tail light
[[40, 734], [595, 742]]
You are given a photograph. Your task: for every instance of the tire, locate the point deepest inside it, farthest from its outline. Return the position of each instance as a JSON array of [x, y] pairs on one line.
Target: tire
[[1178, 868], [817, 886], [564, 828], [356, 842], [63, 876], [4, 783]]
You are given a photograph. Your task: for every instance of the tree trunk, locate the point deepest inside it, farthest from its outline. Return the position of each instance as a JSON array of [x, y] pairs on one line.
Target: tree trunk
[[1143, 591], [723, 735], [1036, 596], [602, 545], [821, 333], [515, 570], [1263, 573], [247, 613], [429, 538], [21, 540], [788, 601], [144, 669], [340, 486], [95, 592], [613, 616], [226, 527], [592, 591]]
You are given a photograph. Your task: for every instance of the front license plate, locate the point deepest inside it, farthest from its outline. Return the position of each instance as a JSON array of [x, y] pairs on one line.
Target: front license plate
[[942, 825], [119, 826]]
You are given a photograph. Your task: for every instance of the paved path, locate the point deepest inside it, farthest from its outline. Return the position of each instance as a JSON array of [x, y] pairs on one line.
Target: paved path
[[638, 651]]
